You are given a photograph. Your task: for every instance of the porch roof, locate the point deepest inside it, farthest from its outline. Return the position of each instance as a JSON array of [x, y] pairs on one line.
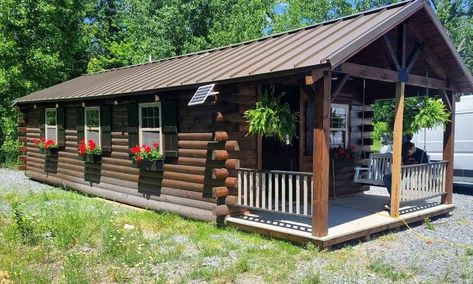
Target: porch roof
[[329, 43]]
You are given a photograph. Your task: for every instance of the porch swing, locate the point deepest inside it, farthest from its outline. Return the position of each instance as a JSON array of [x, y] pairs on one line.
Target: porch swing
[[419, 181]]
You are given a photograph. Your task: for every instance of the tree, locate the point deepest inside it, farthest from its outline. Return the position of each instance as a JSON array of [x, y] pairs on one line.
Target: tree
[[41, 43], [457, 18]]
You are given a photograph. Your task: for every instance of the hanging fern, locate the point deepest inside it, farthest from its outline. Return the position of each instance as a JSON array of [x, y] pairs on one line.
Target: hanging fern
[[270, 118], [432, 113]]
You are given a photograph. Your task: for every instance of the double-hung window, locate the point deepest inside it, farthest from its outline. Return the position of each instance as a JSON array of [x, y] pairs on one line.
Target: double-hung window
[[339, 125], [50, 124], [92, 129], [150, 124]]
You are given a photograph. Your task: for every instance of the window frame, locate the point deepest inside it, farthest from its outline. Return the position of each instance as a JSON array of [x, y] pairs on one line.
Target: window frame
[[86, 128], [159, 129], [347, 122], [47, 126]]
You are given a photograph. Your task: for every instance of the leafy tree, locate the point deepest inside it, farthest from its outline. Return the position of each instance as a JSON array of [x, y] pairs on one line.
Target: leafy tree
[[299, 13], [41, 43], [457, 18]]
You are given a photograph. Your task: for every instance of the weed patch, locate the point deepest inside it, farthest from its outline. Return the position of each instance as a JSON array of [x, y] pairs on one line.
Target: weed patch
[[388, 271]]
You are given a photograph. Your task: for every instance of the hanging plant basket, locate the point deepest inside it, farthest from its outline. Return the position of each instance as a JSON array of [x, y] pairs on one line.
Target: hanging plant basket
[[272, 118], [49, 152], [156, 165]]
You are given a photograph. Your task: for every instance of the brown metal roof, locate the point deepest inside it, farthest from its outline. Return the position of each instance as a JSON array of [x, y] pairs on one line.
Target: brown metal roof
[[330, 43]]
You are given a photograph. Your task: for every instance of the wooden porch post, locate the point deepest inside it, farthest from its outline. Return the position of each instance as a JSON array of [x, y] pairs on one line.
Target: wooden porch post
[[321, 151], [397, 150], [448, 149]]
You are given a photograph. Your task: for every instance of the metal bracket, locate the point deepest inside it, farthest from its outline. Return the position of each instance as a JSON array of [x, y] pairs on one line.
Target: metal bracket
[[403, 75]]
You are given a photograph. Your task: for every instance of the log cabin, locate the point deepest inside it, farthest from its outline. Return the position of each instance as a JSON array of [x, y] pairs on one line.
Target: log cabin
[[213, 170]]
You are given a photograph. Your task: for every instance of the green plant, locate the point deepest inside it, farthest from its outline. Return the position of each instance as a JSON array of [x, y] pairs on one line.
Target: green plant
[[271, 118], [44, 143], [24, 226], [469, 251], [432, 113], [428, 224], [419, 113], [146, 153], [380, 128], [388, 271], [89, 148]]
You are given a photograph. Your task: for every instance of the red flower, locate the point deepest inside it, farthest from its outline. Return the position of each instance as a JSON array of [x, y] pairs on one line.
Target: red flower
[[43, 139], [82, 149], [135, 149], [91, 145], [48, 143], [36, 141], [147, 149], [138, 158], [156, 145]]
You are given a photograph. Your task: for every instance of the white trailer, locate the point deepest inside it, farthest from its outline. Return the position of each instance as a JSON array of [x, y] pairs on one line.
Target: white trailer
[[463, 161]]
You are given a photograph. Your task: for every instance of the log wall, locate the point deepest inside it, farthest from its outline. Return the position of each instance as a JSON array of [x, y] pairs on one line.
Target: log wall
[[194, 184]]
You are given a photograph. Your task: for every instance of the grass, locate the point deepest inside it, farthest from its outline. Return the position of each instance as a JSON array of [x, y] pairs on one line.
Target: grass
[[56, 235], [388, 271]]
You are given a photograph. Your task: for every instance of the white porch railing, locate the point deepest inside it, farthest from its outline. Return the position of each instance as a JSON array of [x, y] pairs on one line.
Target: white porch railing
[[423, 181], [282, 191]]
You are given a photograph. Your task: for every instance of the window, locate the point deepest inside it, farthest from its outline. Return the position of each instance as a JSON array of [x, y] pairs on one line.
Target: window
[[150, 124], [339, 125], [50, 124], [92, 125]]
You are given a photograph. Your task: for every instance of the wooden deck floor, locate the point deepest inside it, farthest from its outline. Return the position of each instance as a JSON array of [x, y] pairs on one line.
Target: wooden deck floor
[[351, 217]]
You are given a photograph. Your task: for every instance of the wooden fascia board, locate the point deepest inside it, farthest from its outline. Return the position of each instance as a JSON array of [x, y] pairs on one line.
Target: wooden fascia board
[[344, 54], [449, 43], [380, 74]]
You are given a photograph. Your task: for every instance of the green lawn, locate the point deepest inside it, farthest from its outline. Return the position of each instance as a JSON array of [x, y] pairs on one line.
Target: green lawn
[[61, 236]]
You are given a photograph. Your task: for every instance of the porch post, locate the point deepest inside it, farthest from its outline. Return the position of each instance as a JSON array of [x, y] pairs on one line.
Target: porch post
[[397, 150], [448, 149], [321, 160]]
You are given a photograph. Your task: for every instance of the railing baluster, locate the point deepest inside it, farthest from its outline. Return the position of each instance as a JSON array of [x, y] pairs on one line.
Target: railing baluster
[[291, 200], [283, 193], [305, 195], [270, 193], [276, 200], [240, 189], [298, 194], [263, 190], [245, 188], [258, 188], [251, 188]]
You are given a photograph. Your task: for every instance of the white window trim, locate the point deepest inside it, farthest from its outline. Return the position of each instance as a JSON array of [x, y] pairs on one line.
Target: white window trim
[[141, 129], [47, 126], [345, 129], [99, 129]]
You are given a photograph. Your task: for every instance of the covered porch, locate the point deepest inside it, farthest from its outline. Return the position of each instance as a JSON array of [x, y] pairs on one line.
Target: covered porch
[[295, 205]]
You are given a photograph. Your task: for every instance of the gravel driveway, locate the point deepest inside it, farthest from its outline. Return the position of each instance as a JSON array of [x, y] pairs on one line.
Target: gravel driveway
[[437, 251]]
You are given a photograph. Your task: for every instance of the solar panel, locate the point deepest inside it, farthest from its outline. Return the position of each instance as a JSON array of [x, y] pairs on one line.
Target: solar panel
[[201, 95]]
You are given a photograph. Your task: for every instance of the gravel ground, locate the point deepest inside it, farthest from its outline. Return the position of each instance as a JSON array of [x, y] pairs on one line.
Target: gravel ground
[[437, 251]]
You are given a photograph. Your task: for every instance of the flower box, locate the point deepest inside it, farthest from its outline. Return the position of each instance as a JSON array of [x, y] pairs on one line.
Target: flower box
[[51, 152], [156, 165], [93, 158]]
